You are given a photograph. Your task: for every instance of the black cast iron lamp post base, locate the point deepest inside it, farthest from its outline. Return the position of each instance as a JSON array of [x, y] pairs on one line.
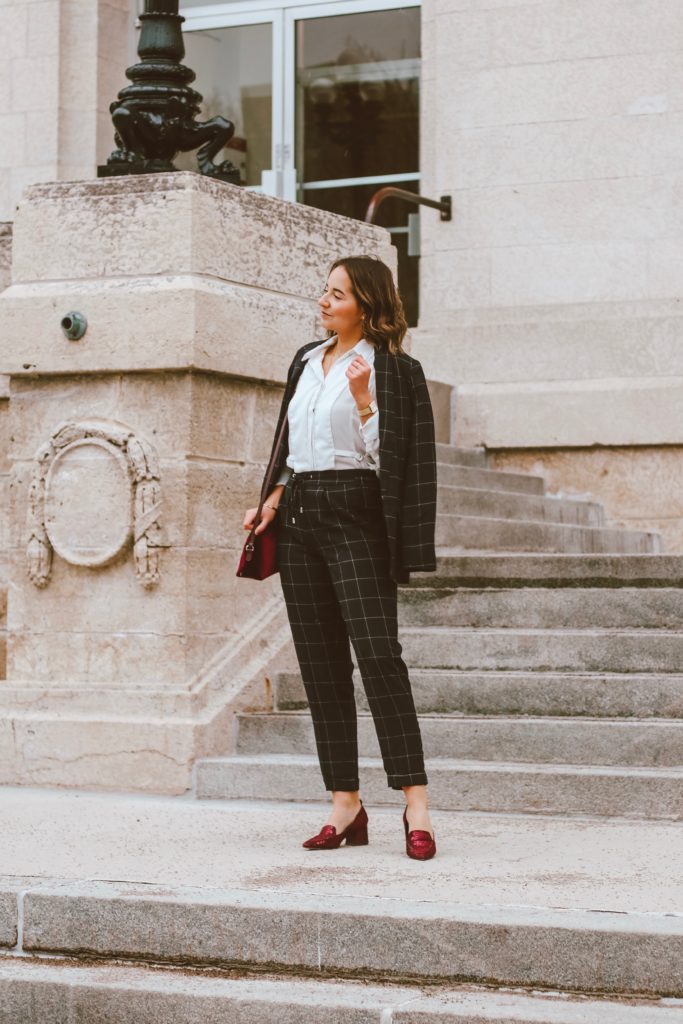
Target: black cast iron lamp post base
[[154, 118]]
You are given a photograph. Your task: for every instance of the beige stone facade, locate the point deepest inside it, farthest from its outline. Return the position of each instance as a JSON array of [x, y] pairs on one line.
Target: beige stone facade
[[62, 63], [552, 299], [550, 304]]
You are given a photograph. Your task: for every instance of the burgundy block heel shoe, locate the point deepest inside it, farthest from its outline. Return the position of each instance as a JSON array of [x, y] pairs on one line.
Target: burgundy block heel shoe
[[355, 834], [420, 845]]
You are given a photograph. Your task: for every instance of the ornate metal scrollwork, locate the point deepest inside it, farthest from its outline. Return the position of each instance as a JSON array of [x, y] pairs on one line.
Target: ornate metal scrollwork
[[155, 117]]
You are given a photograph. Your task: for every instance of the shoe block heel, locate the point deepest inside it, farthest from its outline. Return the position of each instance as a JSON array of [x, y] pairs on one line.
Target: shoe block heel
[[358, 838]]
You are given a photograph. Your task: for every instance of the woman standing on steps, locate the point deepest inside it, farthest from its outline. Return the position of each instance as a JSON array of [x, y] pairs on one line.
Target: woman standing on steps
[[355, 500]]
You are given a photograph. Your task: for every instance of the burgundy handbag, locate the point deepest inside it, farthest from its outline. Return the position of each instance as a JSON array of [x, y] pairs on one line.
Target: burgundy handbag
[[259, 555]]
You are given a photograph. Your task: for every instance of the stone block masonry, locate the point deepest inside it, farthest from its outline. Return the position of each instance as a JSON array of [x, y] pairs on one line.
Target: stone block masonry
[[552, 300], [55, 120], [133, 454]]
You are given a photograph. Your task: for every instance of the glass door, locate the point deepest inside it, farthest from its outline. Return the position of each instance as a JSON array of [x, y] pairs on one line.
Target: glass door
[[352, 110], [236, 81], [232, 54]]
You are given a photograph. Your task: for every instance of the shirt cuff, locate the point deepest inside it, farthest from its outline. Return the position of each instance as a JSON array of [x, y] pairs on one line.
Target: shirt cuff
[[370, 428], [284, 476], [369, 432]]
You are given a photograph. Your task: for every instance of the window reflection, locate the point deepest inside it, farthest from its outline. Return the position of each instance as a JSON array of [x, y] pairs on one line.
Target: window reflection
[[234, 75], [358, 94], [357, 116]]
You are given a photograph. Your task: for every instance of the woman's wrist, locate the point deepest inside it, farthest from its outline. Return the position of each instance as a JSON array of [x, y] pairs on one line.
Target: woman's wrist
[[273, 499], [362, 407]]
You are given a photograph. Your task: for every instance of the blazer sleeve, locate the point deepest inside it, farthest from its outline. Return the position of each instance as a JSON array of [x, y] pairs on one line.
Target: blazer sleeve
[[418, 513], [280, 478]]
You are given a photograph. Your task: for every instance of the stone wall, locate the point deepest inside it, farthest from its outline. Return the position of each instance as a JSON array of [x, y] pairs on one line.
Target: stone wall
[[4, 517], [63, 62], [5, 254], [553, 298], [134, 453], [5, 273]]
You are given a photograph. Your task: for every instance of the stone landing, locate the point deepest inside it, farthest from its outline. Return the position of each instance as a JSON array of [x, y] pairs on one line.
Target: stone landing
[[137, 908]]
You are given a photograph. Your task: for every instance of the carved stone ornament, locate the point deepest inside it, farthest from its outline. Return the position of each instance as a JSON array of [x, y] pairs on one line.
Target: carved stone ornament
[[95, 484]]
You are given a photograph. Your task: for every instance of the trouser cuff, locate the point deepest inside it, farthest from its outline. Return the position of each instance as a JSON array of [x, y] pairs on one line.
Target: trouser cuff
[[343, 785], [399, 781]]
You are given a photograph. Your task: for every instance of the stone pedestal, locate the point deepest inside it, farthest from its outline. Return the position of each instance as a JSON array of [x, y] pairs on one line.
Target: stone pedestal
[[134, 454]]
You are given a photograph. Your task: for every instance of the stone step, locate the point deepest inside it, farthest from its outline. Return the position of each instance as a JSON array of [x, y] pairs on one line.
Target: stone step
[[364, 937], [37, 991], [651, 793], [135, 703], [481, 533], [450, 453], [175, 859], [547, 569], [494, 504], [543, 607], [453, 475], [547, 740], [610, 695], [545, 650]]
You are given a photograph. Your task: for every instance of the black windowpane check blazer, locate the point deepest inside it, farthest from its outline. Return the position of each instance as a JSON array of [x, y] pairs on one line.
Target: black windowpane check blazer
[[407, 457]]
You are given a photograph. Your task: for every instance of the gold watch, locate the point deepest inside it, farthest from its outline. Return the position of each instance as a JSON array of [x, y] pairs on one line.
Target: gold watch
[[368, 408]]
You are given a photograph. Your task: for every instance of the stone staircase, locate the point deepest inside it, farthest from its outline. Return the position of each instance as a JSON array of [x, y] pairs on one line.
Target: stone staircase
[[220, 917], [545, 681], [546, 654], [493, 510]]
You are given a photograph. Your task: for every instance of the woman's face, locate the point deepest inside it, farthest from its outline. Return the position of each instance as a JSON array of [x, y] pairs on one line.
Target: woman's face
[[340, 311]]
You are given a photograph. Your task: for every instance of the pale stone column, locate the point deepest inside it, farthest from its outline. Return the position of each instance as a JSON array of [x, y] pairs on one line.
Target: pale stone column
[[5, 257], [135, 452], [4, 516], [63, 62]]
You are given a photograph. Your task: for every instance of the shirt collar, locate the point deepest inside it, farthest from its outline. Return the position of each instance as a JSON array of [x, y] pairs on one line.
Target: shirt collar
[[362, 347]]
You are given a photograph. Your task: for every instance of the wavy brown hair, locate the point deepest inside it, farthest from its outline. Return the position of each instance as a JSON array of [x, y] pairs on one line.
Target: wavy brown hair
[[373, 287]]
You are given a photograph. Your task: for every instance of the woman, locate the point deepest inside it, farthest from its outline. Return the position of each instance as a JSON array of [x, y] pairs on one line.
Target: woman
[[355, 503]]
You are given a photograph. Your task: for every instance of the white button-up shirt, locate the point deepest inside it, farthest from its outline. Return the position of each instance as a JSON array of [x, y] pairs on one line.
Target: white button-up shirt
[[325, 430]]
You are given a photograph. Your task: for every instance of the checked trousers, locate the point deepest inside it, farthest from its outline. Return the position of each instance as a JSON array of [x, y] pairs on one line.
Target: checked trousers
[[333, 558]]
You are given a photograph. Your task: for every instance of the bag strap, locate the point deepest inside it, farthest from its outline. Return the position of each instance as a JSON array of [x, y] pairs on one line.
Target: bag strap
[[266, 480]]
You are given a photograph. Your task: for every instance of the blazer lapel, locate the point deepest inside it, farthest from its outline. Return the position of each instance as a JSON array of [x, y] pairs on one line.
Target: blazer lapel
[[297, 370]]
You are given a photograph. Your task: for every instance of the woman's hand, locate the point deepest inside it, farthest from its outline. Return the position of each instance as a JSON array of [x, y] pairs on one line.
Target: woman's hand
[[267, 516], [267, 513], [358, 373]]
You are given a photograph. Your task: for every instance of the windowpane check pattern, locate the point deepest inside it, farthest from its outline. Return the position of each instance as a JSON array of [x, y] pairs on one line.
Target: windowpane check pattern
[[334, 563]]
